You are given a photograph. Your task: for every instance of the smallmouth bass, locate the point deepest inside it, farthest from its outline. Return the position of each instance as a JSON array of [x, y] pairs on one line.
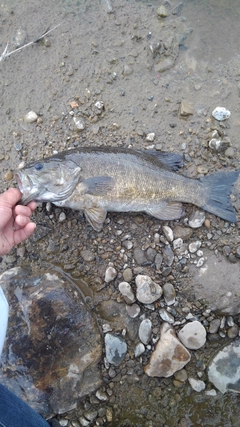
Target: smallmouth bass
[[101, 179]]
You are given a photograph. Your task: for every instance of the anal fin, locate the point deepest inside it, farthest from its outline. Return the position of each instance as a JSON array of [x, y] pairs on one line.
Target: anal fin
[[96, 217], [166, 210]]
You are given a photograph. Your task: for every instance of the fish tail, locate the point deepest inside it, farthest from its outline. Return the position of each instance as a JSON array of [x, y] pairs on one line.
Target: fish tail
[[218, 188]]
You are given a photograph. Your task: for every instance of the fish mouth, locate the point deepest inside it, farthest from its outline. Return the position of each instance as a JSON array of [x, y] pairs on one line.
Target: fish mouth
[[25, 187]]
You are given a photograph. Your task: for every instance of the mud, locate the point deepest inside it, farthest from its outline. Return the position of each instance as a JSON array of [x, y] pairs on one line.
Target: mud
[[99, 56]]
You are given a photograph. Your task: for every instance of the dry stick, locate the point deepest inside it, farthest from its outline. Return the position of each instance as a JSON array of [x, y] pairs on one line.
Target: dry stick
[[5, 53]]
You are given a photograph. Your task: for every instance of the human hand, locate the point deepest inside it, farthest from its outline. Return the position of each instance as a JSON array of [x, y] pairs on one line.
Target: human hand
[[15, 224]]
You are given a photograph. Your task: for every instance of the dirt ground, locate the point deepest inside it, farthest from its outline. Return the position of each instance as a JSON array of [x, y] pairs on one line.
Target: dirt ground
[[115, 58]]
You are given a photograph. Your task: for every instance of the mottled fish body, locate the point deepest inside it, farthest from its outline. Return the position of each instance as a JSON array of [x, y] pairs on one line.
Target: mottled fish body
[[97, 180]]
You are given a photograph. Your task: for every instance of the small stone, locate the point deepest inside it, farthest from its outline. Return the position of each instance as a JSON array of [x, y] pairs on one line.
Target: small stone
[[197, 219], [150, 137], [139, 256], [127, 275], [233, 331], [62, 217], [127, 70], [230, 153], [197, 385], [186, 109], [127, 292], [133, 310], [165, 316], [169, 293], [147, 290], [79, 123], [193, 335], [8, 176], [182, 232], [194, 246], [168, 356], [99, 105], [110, 274], [31, 117], [177, 243], [162, 12], [221, 113], [116, 349], [168, 233], [214, 326], [139, 349], [203, 170], [145, 331], [87, 255]]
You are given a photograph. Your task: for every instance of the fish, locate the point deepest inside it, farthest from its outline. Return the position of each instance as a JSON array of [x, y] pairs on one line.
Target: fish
[[97, 180]]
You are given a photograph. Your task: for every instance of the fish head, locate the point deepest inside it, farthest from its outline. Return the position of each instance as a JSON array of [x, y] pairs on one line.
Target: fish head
[[47, 180]]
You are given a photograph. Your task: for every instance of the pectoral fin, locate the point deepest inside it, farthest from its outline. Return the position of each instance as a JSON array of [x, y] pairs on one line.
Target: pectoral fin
[[166, 210], [96, 217], [98, 185]]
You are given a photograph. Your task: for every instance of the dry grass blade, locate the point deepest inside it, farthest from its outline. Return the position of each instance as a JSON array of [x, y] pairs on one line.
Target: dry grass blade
[[5, 53]]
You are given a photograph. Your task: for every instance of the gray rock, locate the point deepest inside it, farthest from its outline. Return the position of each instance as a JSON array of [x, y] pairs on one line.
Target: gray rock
[[87, 255], [169, 355], [197, 385], [194, 246], [168, 255], [221, 113], [147, 290], [127, 292], [169, 293], [139, 350], [110, 274], [145, 331], [224, 369], [116, 348], [57, 344], [127, 275], [168, 233], [133, 310], [193, 335], [139, 256], [214, 326], [197, 219], [165, 316]]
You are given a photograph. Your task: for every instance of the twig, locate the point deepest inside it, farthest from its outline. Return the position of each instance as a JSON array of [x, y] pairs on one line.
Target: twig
[[5, 53]]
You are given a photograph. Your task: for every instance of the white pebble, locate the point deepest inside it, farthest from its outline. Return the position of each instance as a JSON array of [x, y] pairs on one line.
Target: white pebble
[[110, 274], [221, 113], [197, 385], [31, 117]]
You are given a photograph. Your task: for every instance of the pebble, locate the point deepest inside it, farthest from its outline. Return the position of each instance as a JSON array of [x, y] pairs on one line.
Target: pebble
[[127, 275], [87, 255], [62, 217], [147, 290], [214, 326], [139, 349], [168, 233], [168, 255], [197, 219], [31, 117], [162, 11], [150, 137], [127, 70], [194, 246], [145, 331], [110, 274], [133, 310], [79, 123], [168, 356], [186, 109], [127, 292], [177, 243], [193, 335], [165, 316], [197, 385], [139, 256], [233, 331], [8, 176], [169, 293], [182, 232], [221, 113], [116, 349]]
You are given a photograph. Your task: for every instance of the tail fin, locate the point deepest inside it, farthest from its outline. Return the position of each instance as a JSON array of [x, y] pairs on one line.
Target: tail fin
[[218, 187]]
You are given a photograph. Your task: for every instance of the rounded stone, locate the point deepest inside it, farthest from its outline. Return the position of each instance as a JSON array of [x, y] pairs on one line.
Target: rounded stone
[[126, 292], [110, 274], [193, 335], [31, 117], [145, 331], [147, 290]]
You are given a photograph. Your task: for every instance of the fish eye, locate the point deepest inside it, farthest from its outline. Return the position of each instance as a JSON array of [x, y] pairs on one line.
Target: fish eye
[[38, 166]]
